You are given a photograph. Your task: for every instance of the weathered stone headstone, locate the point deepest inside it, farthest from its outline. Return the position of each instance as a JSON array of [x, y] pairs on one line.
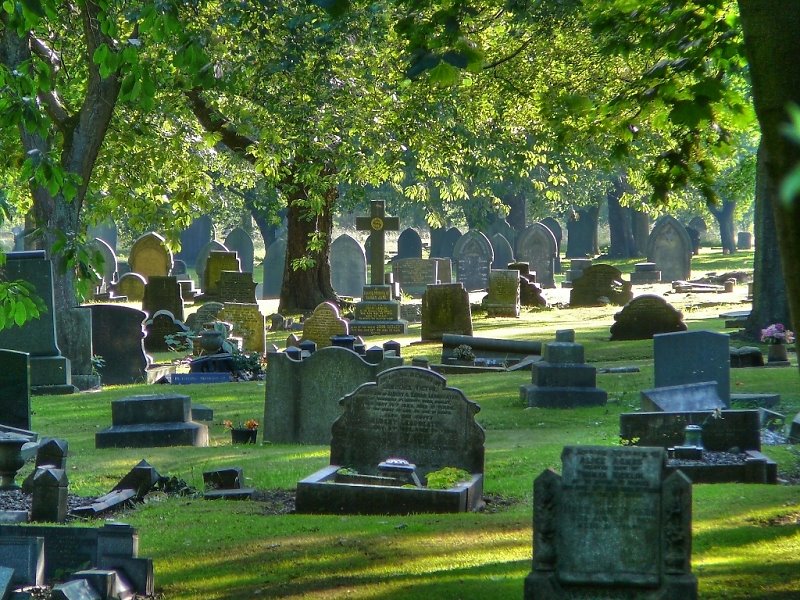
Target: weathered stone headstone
[[109, 273], [163, 293], [530, 292], [15, 383], [409, 244], [218, 262], [323, 324], [26, 556], [302, 395], [158, 327], [415, 274], [202, 258], [645, 316], [194, 238], [449, 241], [694, 236], [670, 247], [472, 258], [131, 285], [503, 253], [558, 233], [444, 270], [693, 357], [503, 297], [600, 284], [49, 495], [437, 235], [239, 241], [149, 255], [117, 337], [537, 246], [576, 268], [274, 264], [445, 309], [612, 525], [106, 231], [581, 230], [699, 225], [50, 371], [248, 324], [348, 266], [235, 286], [744, 240], [502, 227]]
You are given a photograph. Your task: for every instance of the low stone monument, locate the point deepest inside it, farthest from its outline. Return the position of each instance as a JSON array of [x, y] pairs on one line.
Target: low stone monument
[[645, 316], [598, 285], [693, 357], [503, 297], [445, 309]]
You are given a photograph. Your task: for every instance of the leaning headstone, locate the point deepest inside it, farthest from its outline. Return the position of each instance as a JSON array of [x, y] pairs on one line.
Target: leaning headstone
[[537, 246], [348, 266], [472, 258], [149, 255], [163, 293], [193, 238], [600, 284], [670, 247], [162, 324], [202, 258], [239, 241], [693, 357], [688, 397], [323, 324], [503, 297], [117, 337], [581, 230], [131, 285], [409, 244], [274, 264], [645, 316], [415, 274], [50, 371], [612, 525], [15, 383], [216, 263], [445, 309], [503, 253]]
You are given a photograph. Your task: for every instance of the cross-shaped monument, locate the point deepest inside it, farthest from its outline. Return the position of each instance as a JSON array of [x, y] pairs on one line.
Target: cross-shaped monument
[[377, 223]]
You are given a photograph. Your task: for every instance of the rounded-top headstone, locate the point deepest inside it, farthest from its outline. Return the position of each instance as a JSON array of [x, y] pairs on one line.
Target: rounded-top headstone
[[239, 241], [149, 255], [202, 257]]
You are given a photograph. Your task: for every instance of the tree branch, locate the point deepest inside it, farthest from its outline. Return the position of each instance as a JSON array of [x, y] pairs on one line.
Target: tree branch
[[213, 122], [511, 56]]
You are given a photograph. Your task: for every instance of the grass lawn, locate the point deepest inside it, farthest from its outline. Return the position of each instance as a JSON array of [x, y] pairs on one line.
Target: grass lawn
[[746, 538]]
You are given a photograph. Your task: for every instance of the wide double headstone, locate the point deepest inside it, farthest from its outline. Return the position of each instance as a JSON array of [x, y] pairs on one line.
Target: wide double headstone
[[348, 266], [415, 274], [194, 238], [645, 316], [274, 265], [50, 372], [612, 525], [239, 241], [537, 246], [409, 244], [693, 357], [149, 255], [445, 309], [600, 284], [117, 337], [503, 297], [472, 258], [670, 247]]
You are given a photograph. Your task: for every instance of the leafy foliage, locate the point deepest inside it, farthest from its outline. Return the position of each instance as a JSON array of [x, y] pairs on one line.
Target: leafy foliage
[[19, 303]]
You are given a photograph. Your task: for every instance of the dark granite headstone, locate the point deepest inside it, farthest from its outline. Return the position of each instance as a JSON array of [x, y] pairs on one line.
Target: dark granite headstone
[[415, 274], [49, 495], [274, 265], [323, 324], [612, 525], [237, 286], [239, 241], [503, 253], [645, 316], [580, 235], [15, 383], [449, 241], [149, 255], [117, 337], [600, 284], [409, 244], [445, 309], [157, 327], [537, 246], [163, 293], [670, 247], [348, 266], [693, 357], [193, 238], [24, 554], [472, 258]]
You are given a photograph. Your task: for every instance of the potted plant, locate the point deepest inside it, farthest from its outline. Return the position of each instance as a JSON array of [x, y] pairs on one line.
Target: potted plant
[[776, 336], [242, 432], [463, 355]]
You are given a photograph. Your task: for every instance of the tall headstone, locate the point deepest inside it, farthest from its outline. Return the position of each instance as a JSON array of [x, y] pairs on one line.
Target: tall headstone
[[612, 525], [409, 244], [109, 272], [202, 258], [670, 247], [50, 371], [501, 226], [239, 241], [445, 309], [449, 241], [600, 284], [348, 266], [163, 293], [580, 235], [503, 297], [503, 253], [693, 357], [117, 337], [558, 233], [472, 258], [377, 223], [274, 265], [216, 263], [15, 383], [149, 255], [437, 235], [106, 231], [193, 238], [537, 246]]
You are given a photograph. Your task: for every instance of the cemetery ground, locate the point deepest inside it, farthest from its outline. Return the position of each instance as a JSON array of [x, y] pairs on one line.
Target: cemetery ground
[[746, 538]]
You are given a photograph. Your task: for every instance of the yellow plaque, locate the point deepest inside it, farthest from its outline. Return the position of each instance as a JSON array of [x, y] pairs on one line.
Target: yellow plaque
[[377, 224]]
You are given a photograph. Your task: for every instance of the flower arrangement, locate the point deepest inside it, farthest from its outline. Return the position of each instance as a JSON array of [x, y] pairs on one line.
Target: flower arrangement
[[463, 352], [250, 424], [777, 334]]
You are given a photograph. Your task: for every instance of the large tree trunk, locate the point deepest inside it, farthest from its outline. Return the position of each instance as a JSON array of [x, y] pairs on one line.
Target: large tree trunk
[[640, 226], [619, 222], [770, 304], [723, 213], [772, 44], [517, 211]]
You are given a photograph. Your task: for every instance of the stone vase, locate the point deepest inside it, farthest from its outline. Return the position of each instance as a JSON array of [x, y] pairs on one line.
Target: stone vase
[[777, 353], [11, 460], [244, 436], [211, 340]]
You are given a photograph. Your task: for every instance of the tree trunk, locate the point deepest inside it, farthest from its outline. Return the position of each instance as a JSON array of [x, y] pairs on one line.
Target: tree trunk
[[619, 222], [640, 225], [770, 304], [517, 205], [594, 215], [723, 213], [772, 44]]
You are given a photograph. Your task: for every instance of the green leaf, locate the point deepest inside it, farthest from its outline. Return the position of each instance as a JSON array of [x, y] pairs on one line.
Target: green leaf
[[444, 74], [33, 6], [20, 314], [689, 113]]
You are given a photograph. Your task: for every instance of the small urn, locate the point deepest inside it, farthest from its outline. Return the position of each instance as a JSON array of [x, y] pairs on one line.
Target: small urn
[[11, 459]]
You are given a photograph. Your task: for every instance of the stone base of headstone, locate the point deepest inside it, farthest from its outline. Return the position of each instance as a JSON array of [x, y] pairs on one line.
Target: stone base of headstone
[[377, 313], [51, 375], [756, 400], [645, 273], [563, 397], [86, 382], [577, 267], [546, 586], [754, 468]]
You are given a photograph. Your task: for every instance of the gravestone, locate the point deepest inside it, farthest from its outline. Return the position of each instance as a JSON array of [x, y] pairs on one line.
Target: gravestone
[[687, 397], [248, 324], [449, 241], [160, 325], [503, 253], [502, 227], [645, 273], [600, 284], [530, 292], [409, 244], [274, 265], [194, 238], [444, 270], [576, 268], [348, 266], [744, 240], [207, 313], [131, 285], [302, 395], [239, 241], [472, 258], [670, 247], [217, 262], [25, 555], [323, 324], [109, 272], [693, 357], [612, 525], [699, 225], [163, 293], [558, 233], [415, 274], [437, 235], [15, 383], [581, 230], [149, 255], [445, 309], [503, 297], [117, 337], [151, 421], [49, 495], [106, 231], [645, 316], [537, 246], [235, 286], [694, 236], [201, 260], [50, 372]]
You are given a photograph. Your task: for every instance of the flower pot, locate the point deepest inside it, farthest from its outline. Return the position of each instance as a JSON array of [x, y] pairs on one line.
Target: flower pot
[[777, 353], [244, 436]]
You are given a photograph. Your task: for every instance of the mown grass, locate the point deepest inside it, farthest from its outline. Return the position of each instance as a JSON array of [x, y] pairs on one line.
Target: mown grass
[[746, 537]]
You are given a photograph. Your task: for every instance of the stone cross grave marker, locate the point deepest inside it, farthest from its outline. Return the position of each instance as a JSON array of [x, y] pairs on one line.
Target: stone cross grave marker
[[377, 223]]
